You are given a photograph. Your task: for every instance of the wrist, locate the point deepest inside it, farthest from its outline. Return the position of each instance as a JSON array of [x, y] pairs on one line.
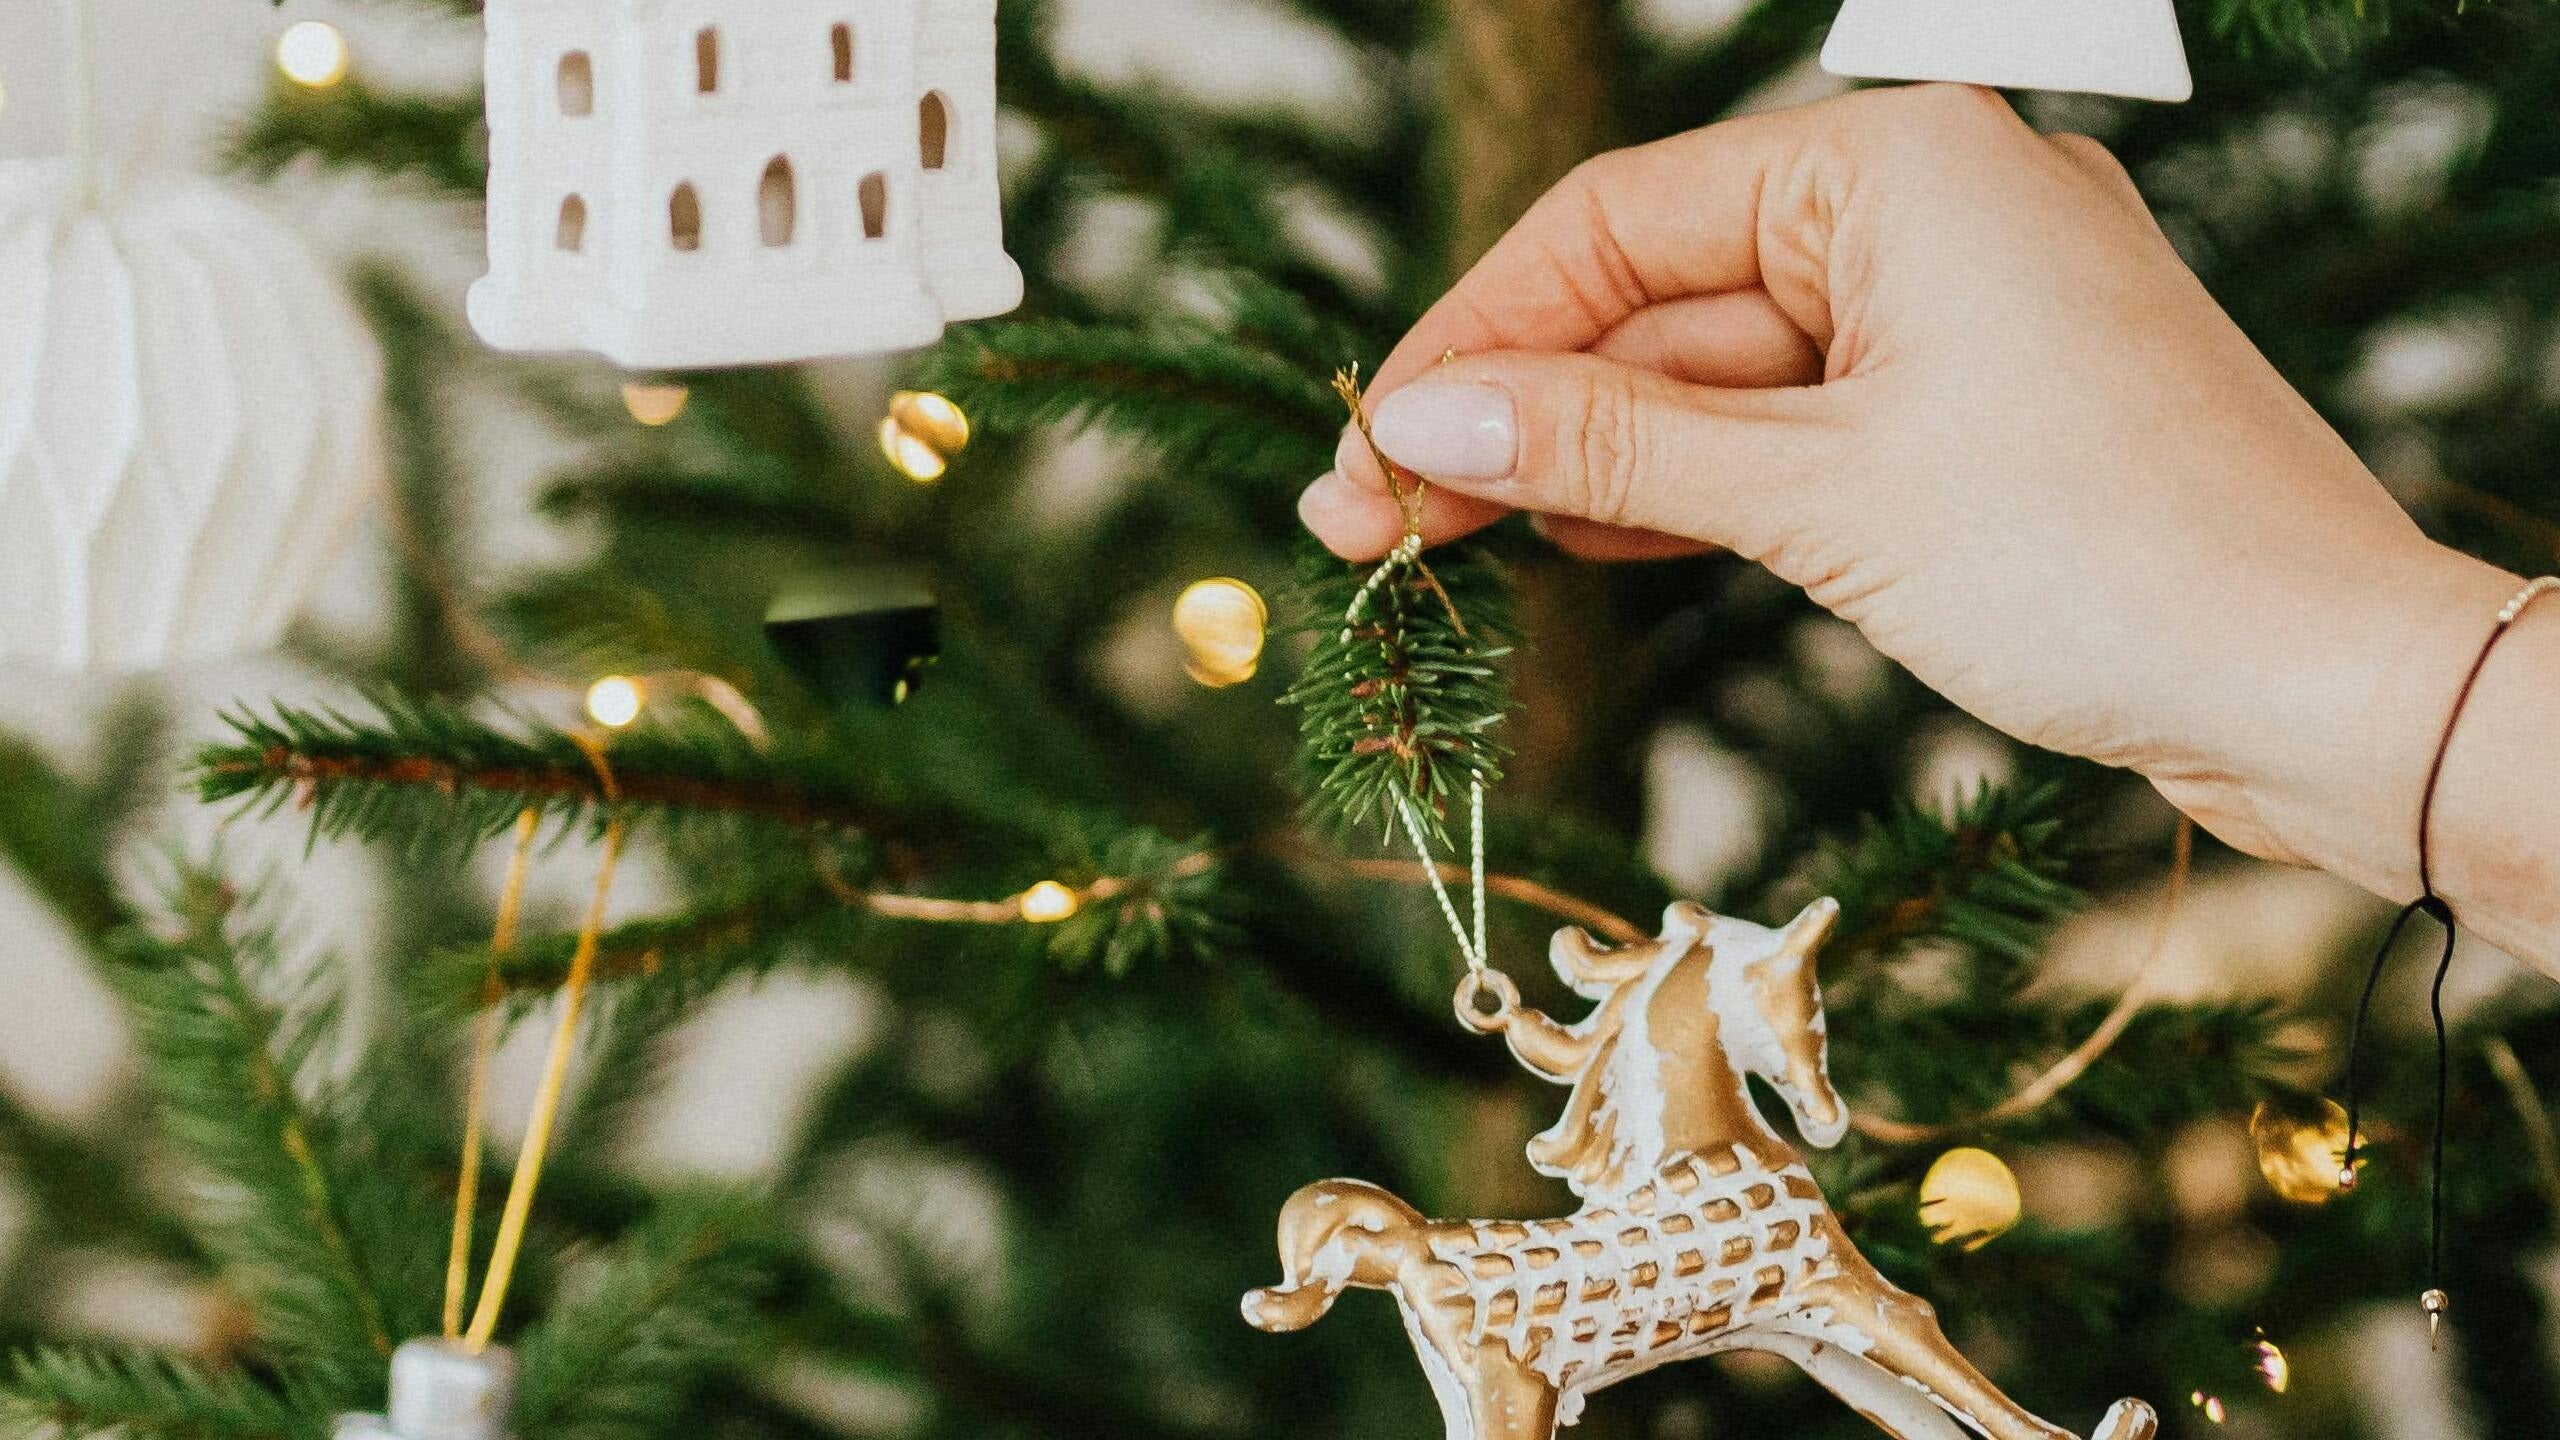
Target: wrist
[[2344, 787]]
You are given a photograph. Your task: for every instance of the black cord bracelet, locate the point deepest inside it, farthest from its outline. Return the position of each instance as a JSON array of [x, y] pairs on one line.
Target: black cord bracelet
[[2435, 1301]]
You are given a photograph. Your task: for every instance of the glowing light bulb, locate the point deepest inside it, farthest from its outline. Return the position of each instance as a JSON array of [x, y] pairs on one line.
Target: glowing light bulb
[[1049, 902], [2211, 1405], [1970, 1198], [2273, 1367], [921, 433], [655, 404], [2302, 1152], [1222, 624], [615, 701], [312, 54]]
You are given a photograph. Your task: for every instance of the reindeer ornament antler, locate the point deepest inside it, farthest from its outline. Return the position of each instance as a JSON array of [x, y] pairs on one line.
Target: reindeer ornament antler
[[1700, 1229]]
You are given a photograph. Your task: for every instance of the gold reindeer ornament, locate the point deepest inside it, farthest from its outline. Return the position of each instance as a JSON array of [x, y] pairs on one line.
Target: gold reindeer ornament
[[1700, 1230]]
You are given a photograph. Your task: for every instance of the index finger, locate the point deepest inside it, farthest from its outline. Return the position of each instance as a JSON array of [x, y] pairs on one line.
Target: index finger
[[1629, 229]]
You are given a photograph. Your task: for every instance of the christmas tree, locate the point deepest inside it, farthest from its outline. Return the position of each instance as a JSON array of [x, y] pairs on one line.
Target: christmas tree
[[1128, 992]]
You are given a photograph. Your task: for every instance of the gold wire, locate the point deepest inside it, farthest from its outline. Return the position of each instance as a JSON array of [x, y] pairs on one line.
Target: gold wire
[[555, 1078], [484, 1046]]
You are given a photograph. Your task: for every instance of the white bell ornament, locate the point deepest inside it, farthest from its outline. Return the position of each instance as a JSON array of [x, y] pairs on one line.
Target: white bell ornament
[[689, 184], [2099, 47], [188, 420]]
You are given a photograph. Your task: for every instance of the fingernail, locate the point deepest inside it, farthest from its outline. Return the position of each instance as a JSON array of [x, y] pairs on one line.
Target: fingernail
[[1451, 431]]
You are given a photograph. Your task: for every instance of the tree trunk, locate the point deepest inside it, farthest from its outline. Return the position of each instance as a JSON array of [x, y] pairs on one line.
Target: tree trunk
[[1527, 100]]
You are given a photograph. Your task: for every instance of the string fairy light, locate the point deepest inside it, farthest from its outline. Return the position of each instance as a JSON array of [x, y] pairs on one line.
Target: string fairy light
[[921, 432], [2272, 1366], [615, 702], [312, 54], [1049, 903], [655, 403]]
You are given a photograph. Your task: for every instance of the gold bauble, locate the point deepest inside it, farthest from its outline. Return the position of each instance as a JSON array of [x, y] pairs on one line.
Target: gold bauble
[[921, 433], [2302, 1150], [1222, 623], [1970, 1198]]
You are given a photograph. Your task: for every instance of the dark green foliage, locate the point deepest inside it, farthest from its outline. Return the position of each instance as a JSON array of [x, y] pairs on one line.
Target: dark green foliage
[[1202, 401], [437, 778], [1403, 698], [639, 1328], [1992, 877], [289, 1206], [98, 1395]]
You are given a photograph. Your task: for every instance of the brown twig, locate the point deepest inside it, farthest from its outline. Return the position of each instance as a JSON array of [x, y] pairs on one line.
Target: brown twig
[[1516, 888], [2063, 1073]]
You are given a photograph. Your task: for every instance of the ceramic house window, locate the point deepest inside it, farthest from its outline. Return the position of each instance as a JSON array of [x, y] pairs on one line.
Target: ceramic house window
[[843, 46], [875, 206], [577, 84], [933, 127], [706, 61], [572, 234], [684, 218], [778, 203]]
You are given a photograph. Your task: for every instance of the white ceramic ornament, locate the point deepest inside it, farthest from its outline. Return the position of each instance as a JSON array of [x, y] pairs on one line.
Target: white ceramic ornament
[[2102, 47], [684, 184], [187, 420], [441, 1390], [1701, 1229]]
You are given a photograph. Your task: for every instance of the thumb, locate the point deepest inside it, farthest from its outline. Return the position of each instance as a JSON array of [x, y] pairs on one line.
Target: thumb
[[1583, 436]]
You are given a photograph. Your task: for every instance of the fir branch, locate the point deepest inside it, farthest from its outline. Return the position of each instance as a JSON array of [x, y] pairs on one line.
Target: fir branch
[[225, 1059], [56, 833], [432, 774], [1142, 898], [1993, 877], [1404, 701], [354, 126], [1202, 402], [669, 1306], [78, 1394]]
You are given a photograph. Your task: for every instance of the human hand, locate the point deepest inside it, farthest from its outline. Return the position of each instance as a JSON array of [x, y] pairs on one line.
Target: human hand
[[1948, 376]]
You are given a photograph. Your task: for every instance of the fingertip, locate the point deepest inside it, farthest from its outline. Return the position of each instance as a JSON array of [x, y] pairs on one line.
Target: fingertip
[[1352, 461], [1353, 523]]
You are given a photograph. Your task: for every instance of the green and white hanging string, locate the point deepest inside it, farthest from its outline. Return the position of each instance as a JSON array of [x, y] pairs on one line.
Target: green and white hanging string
[[1407, 557]]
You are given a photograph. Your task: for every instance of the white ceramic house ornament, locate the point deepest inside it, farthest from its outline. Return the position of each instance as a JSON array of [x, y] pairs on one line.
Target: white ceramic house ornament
[[687, 184], [2101, 47]]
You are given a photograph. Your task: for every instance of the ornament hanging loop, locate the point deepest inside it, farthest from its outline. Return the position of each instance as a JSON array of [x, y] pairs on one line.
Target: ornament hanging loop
[[1473, 989]]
